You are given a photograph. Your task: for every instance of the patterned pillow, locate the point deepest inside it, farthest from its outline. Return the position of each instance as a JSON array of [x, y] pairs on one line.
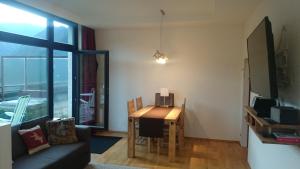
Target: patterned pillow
[[62, 131], [34, 139]]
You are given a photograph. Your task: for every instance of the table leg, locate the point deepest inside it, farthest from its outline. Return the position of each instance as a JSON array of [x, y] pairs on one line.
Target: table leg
[[131, 138], [172, 141]]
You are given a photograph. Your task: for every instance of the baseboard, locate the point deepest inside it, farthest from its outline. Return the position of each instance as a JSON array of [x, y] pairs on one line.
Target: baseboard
[[111, 133], [117, 133], [210, 139]]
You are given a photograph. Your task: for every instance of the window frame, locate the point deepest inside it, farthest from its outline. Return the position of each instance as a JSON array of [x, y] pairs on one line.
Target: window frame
[[47, 43]]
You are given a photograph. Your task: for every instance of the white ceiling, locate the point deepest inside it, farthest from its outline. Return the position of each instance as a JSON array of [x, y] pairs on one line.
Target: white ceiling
[[129, 13]]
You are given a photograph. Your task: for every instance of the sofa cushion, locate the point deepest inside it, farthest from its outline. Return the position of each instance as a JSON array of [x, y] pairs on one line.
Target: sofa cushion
[[18, 146], [83, 133], [62, 131], [34, 139], [33, 162], [53, 157], [59, 152]]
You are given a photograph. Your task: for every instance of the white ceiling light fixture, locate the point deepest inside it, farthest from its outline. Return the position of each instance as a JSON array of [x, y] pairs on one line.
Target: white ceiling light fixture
[[159, 56]]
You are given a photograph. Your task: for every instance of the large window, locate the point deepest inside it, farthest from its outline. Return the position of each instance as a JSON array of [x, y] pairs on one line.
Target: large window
[[14, 20], [23, 71], [36, 50], [63, 33]]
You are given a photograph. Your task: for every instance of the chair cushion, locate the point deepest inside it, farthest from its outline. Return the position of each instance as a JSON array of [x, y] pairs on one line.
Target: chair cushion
[[62, 131], [53, 157]]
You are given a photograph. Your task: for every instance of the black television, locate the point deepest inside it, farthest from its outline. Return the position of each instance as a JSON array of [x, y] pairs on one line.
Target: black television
[[262, 63]]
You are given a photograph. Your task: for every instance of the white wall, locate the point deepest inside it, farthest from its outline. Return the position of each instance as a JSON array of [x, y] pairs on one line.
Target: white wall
[[265, 156], [53, 9], [205, 63]]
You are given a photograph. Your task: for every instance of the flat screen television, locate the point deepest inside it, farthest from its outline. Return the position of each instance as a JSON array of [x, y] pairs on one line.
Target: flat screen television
[[262, 60]]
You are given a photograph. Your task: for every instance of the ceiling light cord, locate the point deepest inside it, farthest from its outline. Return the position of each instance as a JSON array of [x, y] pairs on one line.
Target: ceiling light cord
[[160, 29], [160, 57]]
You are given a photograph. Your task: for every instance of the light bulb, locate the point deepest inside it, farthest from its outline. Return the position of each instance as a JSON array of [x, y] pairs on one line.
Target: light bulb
[[161, 60]]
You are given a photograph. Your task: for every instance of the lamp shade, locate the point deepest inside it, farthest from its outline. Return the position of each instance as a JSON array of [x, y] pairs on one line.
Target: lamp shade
[[160, 57], [164, 92]]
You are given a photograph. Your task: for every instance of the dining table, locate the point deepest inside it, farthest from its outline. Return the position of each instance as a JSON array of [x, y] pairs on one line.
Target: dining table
[[171, 118]]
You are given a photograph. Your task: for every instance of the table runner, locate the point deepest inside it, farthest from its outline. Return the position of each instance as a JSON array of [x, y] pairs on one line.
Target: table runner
[[157, 112], [152, 122]]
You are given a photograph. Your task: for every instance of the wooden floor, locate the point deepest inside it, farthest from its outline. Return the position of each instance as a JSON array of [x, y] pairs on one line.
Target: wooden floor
[[196, 154]]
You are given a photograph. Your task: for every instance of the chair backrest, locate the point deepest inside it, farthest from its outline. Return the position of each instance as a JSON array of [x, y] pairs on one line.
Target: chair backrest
[[92, 98], [139, 103], [20, 110], [181, 119], [130, 106], [169, 100], [157, 99]]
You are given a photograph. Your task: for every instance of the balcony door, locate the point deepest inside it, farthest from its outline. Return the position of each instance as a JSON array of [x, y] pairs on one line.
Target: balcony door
[[62, 84], [92, 89]]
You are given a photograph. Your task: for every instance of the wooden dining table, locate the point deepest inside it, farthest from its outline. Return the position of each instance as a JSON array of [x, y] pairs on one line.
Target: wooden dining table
[[171, 119]]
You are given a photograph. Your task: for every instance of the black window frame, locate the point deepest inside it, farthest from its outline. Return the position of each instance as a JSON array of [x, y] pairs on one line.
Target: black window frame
[[47, 43]]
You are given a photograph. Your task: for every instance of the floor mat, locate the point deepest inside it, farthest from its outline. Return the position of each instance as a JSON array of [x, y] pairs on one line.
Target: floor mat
[[99, 144]]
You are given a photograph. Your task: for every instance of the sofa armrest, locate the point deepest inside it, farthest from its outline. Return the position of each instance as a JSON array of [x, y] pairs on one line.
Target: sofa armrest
[[83, 133]]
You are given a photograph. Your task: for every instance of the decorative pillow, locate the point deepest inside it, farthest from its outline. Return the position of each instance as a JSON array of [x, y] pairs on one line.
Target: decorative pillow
[[62, 131], [34, 139]]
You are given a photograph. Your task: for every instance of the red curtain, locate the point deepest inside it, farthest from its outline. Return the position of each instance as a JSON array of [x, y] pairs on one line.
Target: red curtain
[[89, 63], [88, 38]]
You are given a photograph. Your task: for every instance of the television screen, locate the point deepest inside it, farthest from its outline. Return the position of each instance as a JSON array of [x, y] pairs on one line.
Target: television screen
[[262, 60]]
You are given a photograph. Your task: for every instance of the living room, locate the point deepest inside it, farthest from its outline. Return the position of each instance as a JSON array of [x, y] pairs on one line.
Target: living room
[[101, 71]]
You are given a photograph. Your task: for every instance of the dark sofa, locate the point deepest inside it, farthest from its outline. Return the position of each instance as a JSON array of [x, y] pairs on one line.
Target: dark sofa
[[69, 156]]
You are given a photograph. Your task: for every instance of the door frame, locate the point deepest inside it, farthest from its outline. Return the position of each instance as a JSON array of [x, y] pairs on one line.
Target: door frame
[[76, 85]]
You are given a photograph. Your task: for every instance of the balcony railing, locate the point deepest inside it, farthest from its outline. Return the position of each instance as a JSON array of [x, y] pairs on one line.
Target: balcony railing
[[9, 91]]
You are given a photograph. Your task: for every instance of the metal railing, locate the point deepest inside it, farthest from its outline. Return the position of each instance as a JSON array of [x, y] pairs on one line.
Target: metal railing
[[26, 86]]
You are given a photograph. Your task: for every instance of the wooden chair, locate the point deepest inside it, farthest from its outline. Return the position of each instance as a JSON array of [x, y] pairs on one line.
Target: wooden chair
[[139, 103], [141, 140], [131, 109], [139, 106], [130, 106], [180, 125], [158, 144], [159, 100], [179, 128], [158, 135]]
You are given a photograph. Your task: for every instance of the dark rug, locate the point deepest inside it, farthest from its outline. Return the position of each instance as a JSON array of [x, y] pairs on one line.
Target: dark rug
[[99, 144]]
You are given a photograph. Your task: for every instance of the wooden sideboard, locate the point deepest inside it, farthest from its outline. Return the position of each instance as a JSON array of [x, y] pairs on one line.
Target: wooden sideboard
[[262, 127]]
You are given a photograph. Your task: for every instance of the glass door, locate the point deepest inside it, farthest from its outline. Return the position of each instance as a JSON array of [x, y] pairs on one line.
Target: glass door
[[92, 89], [62, 84]]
